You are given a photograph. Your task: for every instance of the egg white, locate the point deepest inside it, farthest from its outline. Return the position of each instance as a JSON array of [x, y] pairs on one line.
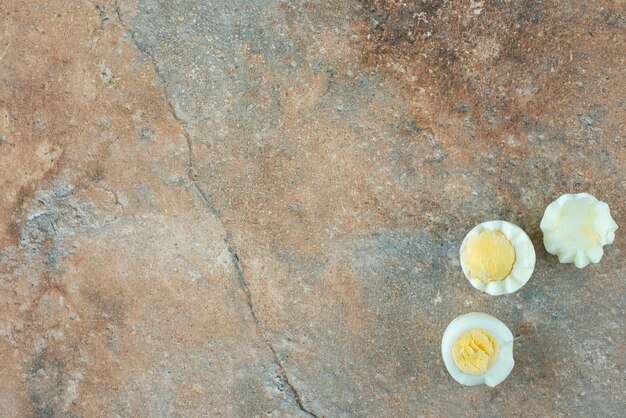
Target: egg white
[[503, 364], [555, 230], [524, 258]]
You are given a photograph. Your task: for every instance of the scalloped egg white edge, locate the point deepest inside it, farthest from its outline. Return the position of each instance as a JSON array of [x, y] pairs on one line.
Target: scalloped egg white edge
[[524, 258], [604, 224], [503, 365]]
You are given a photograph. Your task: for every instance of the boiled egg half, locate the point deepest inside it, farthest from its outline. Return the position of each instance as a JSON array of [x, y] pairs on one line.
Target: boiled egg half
[[477, 349], [575, 228], [497, 257]]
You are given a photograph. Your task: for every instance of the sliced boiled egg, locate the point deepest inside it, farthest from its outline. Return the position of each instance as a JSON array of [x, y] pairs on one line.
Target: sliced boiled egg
[[477, 349], [497, 257], [575, 228]]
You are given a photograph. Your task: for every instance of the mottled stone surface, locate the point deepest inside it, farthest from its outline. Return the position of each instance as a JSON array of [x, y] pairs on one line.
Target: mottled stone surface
[[254, 208]]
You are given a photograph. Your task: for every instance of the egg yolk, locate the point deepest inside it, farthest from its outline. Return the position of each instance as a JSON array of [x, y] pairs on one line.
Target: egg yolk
[[489, 256], [475, 351]]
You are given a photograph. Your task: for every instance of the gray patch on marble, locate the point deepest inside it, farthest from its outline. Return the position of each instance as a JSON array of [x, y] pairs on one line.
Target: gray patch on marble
[[55, 216], [198, 55], [204, 50], [390, 260], [47, 381]]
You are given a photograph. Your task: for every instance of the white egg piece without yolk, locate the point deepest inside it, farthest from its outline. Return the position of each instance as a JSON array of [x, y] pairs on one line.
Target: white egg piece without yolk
[[501, 365], [522, 262], [575, 228]]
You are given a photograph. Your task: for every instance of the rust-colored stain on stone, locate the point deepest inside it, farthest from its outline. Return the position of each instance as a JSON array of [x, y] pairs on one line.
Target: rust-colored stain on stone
[[254, 208], [502, 65]]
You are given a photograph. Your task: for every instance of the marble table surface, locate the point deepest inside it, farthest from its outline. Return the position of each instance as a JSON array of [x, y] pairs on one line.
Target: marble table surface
[[254, 207]]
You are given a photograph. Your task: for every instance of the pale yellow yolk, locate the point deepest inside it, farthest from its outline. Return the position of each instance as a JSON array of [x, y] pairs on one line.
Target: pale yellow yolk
[[489, 256], [475, 351]]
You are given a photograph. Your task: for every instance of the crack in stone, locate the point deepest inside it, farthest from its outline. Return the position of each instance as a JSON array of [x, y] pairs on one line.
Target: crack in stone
[[191, 174], [110, 191]]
